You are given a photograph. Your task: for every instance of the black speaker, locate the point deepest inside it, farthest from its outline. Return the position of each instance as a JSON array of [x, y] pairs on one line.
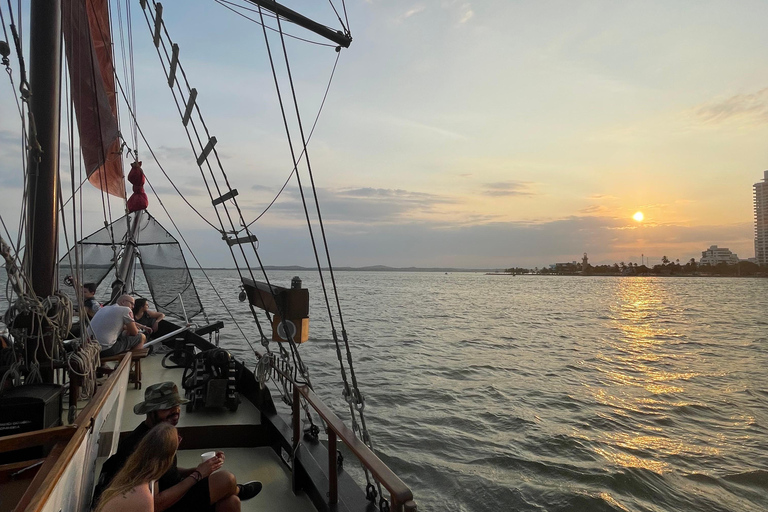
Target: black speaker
[[28, 408]]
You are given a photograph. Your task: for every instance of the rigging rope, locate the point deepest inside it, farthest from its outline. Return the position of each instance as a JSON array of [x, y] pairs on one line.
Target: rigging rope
[[299, 366], [303, 152], [207, 149], [29, 136], [105, 199], [353, 396], [84, 360]]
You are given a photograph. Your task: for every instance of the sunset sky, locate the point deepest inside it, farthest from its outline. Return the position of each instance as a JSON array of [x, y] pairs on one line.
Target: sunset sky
[[482, 134]]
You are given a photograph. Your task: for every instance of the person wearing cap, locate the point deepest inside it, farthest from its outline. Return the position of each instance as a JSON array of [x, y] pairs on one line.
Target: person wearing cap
[[195, 489]]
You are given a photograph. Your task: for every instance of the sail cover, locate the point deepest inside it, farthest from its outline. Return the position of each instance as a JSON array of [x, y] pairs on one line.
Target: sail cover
[[162, 261], [85, 24]]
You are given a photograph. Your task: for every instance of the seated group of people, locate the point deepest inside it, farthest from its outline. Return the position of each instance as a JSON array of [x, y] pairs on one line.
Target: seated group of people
[[143, 474], [122, 326]]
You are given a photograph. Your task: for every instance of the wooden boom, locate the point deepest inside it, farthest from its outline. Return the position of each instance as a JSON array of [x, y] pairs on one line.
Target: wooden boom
[[336, 36]]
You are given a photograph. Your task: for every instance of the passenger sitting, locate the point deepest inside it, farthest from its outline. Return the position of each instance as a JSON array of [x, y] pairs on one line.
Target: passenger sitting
[[134, 487], [198, 489], [149, 320], [115, 329], [89, 301]]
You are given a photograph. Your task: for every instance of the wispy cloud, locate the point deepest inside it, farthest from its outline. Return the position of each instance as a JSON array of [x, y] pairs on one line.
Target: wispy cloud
[[594, 209], [467, 13], [536, 243], [752, 108], [508, 188], [423, 127], [412, 11], [364, 205]]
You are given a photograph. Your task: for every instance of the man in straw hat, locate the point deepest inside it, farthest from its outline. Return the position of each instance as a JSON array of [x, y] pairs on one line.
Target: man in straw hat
[[195, 489]]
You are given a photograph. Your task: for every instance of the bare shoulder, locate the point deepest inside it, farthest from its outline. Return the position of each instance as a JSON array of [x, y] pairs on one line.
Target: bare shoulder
[[137, 499]]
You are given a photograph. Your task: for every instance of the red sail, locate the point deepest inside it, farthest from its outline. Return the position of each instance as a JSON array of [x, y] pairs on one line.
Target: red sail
[[85, 24]]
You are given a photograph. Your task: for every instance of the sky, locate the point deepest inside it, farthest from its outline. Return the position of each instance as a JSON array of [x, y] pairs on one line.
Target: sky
[[475, 134]]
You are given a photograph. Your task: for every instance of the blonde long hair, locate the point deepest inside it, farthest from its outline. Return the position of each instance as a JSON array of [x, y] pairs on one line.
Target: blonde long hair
[[152, 458]]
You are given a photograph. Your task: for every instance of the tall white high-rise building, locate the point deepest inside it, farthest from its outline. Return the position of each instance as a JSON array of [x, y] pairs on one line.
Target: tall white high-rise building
[[761, 220]]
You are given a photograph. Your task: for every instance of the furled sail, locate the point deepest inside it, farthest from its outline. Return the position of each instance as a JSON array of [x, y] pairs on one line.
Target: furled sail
[[162, 261], [85, 24]]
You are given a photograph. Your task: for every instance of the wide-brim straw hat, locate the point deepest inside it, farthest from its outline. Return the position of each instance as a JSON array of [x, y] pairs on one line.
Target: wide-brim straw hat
[[158, 397]]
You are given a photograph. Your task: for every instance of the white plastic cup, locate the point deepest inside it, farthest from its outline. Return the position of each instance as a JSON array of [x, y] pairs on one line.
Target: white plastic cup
[[207, 455]]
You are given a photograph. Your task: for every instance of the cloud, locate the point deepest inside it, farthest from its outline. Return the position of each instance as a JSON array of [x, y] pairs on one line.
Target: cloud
[[173, 153], [595, 208], [427, 244], [468, 13], [362, 205], [417, 126], [508, 188], [751, 108], [412, 11]]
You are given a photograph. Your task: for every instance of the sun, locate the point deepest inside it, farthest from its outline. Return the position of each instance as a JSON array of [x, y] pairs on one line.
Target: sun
[[638, 216]]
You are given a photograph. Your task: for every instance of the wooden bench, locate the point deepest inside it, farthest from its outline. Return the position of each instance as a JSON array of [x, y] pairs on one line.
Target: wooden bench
[[136, 357]]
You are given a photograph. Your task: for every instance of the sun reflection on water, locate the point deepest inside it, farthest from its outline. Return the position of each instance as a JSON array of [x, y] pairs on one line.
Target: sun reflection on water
[[642, 378]]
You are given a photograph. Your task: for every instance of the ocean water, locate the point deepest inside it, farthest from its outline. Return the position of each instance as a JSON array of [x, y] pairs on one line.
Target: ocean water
[[532, 393], [547, 393]]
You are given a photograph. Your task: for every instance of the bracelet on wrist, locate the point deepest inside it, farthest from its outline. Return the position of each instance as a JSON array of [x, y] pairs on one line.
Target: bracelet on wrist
[[196, 475]]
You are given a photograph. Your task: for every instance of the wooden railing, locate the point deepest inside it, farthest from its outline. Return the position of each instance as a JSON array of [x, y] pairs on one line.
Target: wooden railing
[[66, 442], [401, 497]]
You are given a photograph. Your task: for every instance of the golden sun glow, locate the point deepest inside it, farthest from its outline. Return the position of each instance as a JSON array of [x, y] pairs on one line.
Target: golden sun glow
[[638, 216]]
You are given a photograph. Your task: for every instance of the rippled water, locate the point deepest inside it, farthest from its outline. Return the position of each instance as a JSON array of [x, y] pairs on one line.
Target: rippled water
[[557, 393], [532, 393]]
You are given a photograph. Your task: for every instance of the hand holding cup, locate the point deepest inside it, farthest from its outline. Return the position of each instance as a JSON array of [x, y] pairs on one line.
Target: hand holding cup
[[211, 462]]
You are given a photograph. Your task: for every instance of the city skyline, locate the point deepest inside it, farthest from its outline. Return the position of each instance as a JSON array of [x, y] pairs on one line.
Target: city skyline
[[461, 134]]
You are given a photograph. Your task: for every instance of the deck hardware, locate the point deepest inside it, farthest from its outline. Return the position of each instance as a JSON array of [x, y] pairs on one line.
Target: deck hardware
[[206, 151], [312, 432], [174, 63], [240, 240], [190, 106], [371, 493], [229, 195]]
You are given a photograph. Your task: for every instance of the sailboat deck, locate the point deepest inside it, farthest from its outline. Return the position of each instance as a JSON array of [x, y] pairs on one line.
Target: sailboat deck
[[153, 372], [246, 463]]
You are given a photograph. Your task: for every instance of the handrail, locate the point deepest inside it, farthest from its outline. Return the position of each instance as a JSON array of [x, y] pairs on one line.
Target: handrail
[[50, 472], [400, 493], [36, 438]]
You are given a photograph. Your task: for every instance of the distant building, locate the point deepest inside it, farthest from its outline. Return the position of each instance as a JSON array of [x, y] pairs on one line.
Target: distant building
[[715, 255], [761, 220]]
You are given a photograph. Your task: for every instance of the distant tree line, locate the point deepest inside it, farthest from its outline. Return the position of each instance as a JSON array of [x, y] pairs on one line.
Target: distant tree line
[[665, 268]]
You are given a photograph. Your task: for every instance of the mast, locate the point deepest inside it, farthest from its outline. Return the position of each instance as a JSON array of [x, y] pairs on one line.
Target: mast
[[124, 283], [42, 203], [334, 35]]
